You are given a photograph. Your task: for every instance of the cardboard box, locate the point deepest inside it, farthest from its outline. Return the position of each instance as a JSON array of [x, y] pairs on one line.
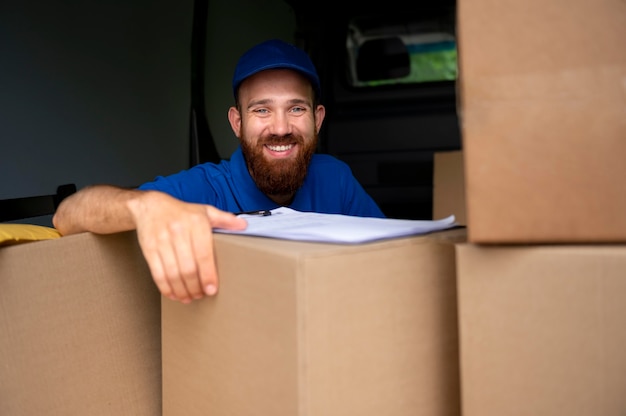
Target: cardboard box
[[449, 186], [318, 329], [80, 328], [543, 120], [543, 329]]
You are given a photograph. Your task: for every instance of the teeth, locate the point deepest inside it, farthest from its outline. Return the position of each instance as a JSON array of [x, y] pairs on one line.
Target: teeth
[[282, 148]]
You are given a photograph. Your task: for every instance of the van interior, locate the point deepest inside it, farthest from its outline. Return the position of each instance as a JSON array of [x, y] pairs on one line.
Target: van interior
[[100, 92]]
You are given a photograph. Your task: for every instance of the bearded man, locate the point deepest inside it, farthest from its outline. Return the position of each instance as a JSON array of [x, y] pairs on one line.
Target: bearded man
[[277, 117]]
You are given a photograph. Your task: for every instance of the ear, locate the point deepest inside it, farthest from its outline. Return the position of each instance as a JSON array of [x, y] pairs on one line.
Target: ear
[[320, 113], [234, 118]]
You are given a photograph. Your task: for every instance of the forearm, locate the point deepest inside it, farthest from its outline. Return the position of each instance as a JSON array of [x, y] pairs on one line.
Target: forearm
[[101, 209], [176, 237]]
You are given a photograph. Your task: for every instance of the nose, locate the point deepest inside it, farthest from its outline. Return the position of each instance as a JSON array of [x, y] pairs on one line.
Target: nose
[[280, 124]]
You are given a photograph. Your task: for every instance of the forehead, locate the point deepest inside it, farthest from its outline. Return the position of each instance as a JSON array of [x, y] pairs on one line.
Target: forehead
[[275, 82]]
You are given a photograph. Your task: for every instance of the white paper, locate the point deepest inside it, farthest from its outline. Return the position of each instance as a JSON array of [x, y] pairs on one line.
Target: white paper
[[286, 223]]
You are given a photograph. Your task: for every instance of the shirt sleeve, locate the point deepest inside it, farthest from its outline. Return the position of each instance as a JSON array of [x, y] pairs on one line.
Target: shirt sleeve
[[188, 185]]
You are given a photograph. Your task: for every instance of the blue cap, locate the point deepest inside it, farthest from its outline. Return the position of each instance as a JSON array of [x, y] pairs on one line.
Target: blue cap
[[275, 54]]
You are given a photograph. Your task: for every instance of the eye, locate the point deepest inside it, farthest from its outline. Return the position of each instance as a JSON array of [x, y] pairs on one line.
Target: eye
[[260, 111], [298, 110]]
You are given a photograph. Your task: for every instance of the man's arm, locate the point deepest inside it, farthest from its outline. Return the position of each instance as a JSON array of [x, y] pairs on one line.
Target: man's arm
[[176, 237]]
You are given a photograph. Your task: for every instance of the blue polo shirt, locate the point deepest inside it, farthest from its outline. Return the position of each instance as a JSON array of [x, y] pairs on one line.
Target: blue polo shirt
[[329, 187]]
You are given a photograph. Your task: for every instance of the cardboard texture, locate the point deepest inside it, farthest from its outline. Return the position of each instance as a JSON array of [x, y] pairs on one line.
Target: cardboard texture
[[543, 119], [318, 329], [542, 329], [80, 325], [449, 186]]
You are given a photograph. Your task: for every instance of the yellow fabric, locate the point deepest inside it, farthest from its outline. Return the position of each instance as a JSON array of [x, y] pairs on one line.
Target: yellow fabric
[[24, 233]]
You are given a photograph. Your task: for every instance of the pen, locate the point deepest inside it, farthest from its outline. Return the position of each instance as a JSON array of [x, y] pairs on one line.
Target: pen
[[260, 213]]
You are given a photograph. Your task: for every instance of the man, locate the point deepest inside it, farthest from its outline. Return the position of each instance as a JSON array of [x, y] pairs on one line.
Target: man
[[277, 118]]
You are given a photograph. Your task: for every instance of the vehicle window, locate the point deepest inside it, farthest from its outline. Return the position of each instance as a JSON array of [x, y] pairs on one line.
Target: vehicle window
[[405, 50]]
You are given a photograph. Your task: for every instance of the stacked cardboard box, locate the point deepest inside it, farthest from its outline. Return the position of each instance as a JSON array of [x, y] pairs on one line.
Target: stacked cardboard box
[[79, 328], [542, 279], [449, 186], [543, 119], [543, 329], [319, 329]]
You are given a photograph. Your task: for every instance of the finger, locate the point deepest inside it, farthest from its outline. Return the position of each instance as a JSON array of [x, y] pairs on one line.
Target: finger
[[225, 220], [205, 258], [182, 237], [171, 271], [156, 267]]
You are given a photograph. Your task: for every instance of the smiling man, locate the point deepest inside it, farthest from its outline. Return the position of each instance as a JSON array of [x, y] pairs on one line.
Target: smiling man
[[277, 118], [277, 122]]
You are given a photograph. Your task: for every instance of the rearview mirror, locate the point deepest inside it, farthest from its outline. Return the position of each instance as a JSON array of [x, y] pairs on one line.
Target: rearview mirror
[[382, 59]]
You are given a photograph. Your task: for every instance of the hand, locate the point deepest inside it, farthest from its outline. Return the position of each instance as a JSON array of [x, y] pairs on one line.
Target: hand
[[177, 242]]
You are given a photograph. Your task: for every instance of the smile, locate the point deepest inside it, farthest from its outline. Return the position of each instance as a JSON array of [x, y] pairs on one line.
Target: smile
[[281, 148]]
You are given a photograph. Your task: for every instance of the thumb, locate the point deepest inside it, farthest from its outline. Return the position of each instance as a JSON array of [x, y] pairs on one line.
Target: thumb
[[225, 220]]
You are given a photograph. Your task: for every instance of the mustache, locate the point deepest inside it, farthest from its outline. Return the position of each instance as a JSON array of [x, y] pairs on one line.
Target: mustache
[[278, 140]]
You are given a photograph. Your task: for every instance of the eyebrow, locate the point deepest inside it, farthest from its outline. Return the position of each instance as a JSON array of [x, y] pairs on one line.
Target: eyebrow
[[292, 101]]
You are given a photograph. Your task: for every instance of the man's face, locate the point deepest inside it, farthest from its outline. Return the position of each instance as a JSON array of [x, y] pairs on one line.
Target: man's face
[[278, 128]]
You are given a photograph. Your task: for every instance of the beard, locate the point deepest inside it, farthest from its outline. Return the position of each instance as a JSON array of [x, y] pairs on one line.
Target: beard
[[278, 176]]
